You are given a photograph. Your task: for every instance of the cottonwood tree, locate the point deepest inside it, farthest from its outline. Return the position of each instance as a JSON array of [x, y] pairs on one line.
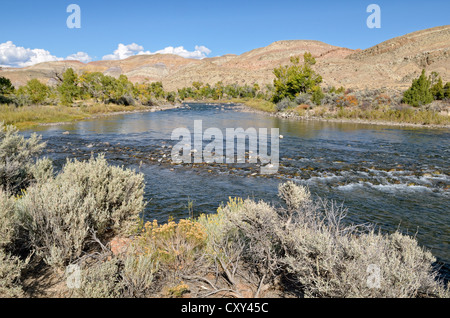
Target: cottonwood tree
[[291, 80], [36, 91], [69, 88]]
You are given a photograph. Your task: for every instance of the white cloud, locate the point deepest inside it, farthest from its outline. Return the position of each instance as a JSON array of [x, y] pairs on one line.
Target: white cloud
[[17, 56], [125, 51], [203, 49], [200, 52], [80, 56]]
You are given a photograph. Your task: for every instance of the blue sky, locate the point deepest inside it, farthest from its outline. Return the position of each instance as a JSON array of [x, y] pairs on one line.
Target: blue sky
[[234, 26]]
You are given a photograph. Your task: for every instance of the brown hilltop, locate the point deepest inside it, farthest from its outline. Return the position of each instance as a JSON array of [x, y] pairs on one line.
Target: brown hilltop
[[255, 66], [393, 64]]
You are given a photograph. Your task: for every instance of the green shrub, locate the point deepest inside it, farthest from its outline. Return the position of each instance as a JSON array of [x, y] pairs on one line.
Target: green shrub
[[177, 248], [317, 95]]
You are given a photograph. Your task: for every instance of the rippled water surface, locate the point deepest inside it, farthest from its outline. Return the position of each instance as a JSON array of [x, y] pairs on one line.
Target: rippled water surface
[[397, 178]]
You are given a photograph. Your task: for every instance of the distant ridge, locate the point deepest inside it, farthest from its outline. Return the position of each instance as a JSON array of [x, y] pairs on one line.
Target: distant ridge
[[392, 64]]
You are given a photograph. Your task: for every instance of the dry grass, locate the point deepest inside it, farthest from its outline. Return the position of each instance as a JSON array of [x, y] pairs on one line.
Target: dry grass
[[407, 115], [260, 104], [29, 116]]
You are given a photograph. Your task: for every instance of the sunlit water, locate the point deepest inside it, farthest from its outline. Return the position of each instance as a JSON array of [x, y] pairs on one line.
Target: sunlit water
[[396, 178]]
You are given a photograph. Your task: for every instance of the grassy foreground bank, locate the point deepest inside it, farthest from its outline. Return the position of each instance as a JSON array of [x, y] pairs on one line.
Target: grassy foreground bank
[[87, 215], [30, 116]]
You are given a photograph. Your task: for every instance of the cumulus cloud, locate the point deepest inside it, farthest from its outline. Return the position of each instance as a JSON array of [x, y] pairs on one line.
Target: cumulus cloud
[[80, 56], [200, 52], [125, 51], [17, 56]]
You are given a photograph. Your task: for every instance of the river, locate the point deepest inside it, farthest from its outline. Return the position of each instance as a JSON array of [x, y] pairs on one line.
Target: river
[[393, 177]]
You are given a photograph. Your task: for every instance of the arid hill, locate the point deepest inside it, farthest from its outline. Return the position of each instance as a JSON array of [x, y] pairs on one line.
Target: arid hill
[[392, 64]]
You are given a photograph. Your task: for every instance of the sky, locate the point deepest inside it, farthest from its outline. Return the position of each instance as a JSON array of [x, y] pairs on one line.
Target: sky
[[37, 31]]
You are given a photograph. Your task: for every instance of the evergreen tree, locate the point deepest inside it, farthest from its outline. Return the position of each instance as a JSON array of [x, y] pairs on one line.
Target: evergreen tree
[[419, 93], [447, 90], [6, 86], [438, 89]]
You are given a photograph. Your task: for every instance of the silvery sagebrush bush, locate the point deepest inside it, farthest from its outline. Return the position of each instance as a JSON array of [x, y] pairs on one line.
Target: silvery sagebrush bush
[[118, 193], [314, 250], [8, 220], [10, 272], [16, 158], [10, 265], [130, 276], [330, 99], [293, 195], [303, 98], [61, 212], [285, 103], [138, 274], [331, 259], [101, 280], [56, 217]]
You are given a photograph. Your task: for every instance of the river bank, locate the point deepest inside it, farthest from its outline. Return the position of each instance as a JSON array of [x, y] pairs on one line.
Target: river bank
[[394, 178], [32, 116], [28, 117], [425, 118], [384, 116], [293, 116]]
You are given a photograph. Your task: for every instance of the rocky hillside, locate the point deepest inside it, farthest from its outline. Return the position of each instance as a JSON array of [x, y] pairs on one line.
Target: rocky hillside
[[391, 64]]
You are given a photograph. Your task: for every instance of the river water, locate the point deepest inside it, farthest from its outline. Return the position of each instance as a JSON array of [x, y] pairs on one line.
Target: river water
[[393, 177]]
